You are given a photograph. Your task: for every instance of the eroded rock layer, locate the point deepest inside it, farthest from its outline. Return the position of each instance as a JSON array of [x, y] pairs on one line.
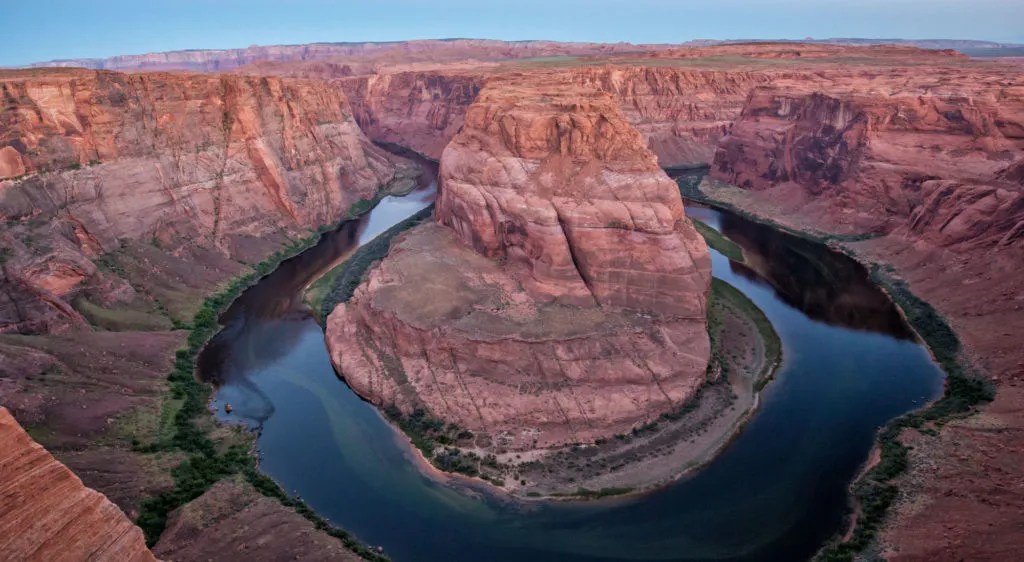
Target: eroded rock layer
[[92, 160], [420, 110], [938, 158], [48, 515], [562, 300], [553, 178]]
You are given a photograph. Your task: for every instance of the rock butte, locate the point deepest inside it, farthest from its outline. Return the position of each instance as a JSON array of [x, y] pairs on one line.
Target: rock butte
[[49, 515], [564, 298], [923, 148]]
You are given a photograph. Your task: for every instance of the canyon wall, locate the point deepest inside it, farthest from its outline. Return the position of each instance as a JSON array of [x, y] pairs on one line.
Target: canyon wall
[[49, 515], [553, 176], [939, 159], [92, 160], [562, 300], [682, 113], [419, 110], [927, 158]]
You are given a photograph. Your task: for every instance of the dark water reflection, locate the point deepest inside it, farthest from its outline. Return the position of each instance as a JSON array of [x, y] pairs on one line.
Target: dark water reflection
[[777, 493], [259, 327], [826, 286]]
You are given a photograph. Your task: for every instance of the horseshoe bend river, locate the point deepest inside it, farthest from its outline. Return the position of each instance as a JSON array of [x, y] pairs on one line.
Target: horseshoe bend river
[[777, 492]]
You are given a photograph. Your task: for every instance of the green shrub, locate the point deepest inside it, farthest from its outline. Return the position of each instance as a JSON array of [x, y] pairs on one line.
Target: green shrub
[[205, 465], [347, 276], [964, 391], [718, 242]]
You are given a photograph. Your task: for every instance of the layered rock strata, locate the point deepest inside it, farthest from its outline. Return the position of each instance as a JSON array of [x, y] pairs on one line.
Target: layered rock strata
[[938, 161], [49, 515], [419, 110], [90, 161], [929, 159], [561, 297]]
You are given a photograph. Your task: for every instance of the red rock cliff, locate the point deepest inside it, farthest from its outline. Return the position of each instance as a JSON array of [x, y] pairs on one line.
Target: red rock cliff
[[566, 299], [888, 147], [681, 113], [554, 177], [94, 159], [419, 110], [48, 515]]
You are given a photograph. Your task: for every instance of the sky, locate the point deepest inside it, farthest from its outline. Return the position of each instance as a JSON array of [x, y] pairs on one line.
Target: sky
[[38, 30]]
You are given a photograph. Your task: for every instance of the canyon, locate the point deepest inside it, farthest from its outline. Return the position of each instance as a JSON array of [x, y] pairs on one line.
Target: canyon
[[127, 201], [128, 198]]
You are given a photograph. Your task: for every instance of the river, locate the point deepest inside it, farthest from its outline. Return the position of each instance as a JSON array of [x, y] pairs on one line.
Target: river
[[778, 492]]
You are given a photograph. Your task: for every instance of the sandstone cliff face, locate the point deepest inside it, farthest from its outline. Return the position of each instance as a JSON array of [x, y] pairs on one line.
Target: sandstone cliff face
[[553, 178], [941, 154], [49, 515], [681, 113], [196, 160], [419, 110], [565, 300]]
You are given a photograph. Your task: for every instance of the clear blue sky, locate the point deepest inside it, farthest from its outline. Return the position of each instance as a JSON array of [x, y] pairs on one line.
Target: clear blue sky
[[35, 30]]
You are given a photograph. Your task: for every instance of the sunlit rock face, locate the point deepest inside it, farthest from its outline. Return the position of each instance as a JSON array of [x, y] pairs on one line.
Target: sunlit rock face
[[561, 296], [90, 161], [886, 151], [49, 514]]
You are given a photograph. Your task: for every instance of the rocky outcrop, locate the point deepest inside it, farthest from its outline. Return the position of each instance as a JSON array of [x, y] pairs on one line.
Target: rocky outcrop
[[553, 178], [938, 160], [952, 213], [681, 113], [197, 160], [563, 299], [419, 110], [233, 521], [49, 515]]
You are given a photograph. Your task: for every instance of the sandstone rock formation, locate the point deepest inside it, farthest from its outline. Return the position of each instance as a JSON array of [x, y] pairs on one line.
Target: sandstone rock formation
[[565, 300], [187, 174], [681, 113], [183, 160], [929, 156], [48, 515], [419, 110], [553, 178], [882, 157], [233, 521]]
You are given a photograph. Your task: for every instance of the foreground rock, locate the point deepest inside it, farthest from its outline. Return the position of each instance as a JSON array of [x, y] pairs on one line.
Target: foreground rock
[[198, 166], [232, 521], [49, 515], [563, 299]]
